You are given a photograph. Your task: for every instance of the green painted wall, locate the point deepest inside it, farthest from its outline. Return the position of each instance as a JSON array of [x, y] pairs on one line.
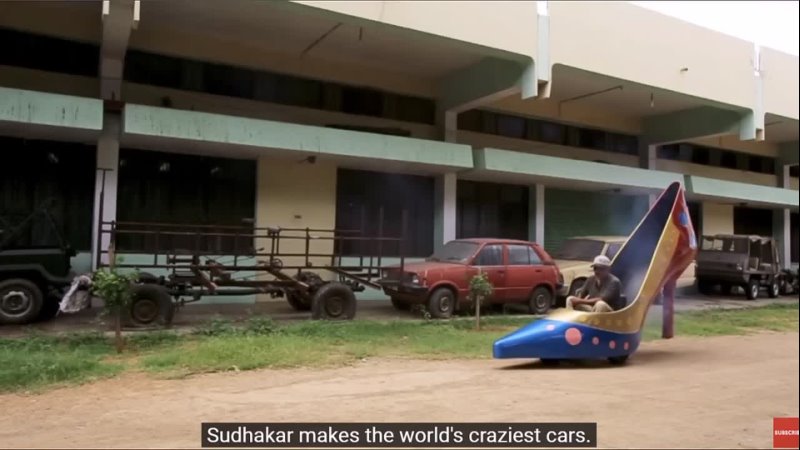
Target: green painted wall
[[205, 127], [40, 108], [581, 213]]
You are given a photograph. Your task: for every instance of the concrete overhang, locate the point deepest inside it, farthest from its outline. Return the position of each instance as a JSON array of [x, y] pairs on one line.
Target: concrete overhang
[[236, 137], [701, 122], [42, 115], [702, 188], [493, 164]]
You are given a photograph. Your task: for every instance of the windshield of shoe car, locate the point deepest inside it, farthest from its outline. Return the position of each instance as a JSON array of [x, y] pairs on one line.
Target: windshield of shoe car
[[724, 244], [455, 251], [579, 250]]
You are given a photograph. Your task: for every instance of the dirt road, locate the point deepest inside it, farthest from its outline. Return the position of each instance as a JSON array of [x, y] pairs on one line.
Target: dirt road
[[714, 392]]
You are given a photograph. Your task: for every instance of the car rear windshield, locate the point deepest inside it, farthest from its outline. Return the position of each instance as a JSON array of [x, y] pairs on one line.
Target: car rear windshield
[[579, 249], [730, 245], [455, 251]]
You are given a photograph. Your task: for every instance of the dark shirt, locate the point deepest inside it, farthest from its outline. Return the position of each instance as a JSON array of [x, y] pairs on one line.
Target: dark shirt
[[610, 291]]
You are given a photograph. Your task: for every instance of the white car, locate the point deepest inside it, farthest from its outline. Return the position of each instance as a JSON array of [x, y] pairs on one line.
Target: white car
[[575, 257]]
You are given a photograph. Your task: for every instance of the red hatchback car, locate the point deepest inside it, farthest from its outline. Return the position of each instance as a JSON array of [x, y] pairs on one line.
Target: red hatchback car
[[519, 271]]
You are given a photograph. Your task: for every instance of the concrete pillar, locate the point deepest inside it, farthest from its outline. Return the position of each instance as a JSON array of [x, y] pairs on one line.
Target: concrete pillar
[[445, 209], [536, 214], [781, 220], [106, 178], [648, 157]]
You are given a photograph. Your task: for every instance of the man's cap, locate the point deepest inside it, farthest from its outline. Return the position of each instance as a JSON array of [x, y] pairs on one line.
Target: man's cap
[[601, 261]]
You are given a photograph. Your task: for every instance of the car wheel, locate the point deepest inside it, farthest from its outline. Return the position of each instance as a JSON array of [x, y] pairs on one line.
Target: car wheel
[[751, 290], [20, 301], [774, 289], [550, 362], [442, 303], [541, 300]]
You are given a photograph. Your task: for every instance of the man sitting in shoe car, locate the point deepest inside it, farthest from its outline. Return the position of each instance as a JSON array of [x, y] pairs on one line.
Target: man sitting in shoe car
[[602, 291]]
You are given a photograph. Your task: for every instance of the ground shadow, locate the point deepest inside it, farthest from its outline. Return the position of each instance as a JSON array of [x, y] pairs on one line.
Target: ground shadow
[[643, 357]]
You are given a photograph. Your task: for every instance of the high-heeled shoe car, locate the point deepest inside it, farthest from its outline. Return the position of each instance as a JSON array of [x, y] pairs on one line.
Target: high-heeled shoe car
[[651, 260]]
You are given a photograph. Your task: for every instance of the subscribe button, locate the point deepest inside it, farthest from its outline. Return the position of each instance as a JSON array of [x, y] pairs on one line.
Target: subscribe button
[[785, 432]]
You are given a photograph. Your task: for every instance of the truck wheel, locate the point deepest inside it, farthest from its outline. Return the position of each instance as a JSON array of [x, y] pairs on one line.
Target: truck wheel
[[774, 288], [20, 301], [752, 289], [150, 304], [298, 301], [442, 303], [333, 301], [540, 301]]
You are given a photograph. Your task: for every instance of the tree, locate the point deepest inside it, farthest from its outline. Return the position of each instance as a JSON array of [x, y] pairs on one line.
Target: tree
[[115, 290], [480, 289]]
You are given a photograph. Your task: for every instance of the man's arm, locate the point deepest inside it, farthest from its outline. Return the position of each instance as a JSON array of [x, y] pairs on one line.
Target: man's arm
[[609, 294]]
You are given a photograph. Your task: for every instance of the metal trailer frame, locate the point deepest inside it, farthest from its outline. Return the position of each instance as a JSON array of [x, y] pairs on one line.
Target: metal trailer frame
[[198, 272]]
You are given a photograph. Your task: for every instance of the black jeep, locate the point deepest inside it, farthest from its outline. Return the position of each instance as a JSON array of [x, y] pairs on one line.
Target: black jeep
[[32, 277], [751, 262]]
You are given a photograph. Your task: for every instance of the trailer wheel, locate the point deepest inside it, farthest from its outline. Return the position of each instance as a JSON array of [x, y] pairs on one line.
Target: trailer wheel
[[297, 300], [20, 301], [333, 301], [150, 304]]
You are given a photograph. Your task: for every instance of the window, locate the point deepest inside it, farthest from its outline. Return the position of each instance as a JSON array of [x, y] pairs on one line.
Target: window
[[471, 121], [414, 109], [295, 91], [552, 133], [510, 126], [612, 250], [221, 79], [699, 155], [229, 81], [728, 159], [59, 172], [522, 255], [490, 255], [187, 190], [360, 197], [671, 152], [622, 143], [592, 139], [40, 52], [362, 102], [490, 209], [761, 164]]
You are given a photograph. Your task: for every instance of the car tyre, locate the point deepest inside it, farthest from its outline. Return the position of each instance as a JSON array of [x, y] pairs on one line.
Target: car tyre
[[751, 290], [333, 301], [150, 305], [540, 301], [774, 288], [442, 303], [548, 362], [20, 301]]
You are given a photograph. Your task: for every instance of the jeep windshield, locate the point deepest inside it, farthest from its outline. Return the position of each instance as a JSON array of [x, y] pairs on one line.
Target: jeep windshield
[[579, 250], [457, 252], [724, 244]]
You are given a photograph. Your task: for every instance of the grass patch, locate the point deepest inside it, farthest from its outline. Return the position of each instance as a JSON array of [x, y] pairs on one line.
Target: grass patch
[[39, 361]]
